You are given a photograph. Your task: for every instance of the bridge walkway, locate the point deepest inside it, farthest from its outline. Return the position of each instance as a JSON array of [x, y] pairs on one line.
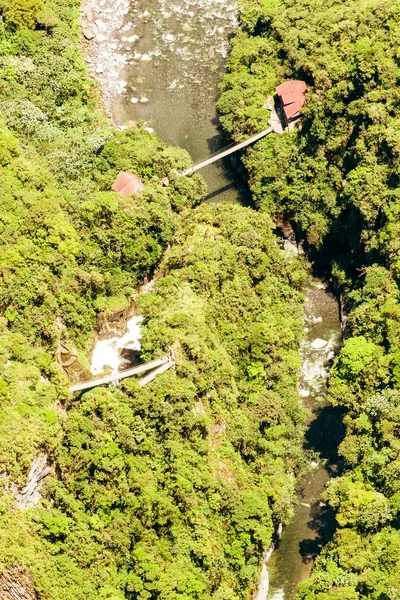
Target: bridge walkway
[[228, 151], [155, 366]]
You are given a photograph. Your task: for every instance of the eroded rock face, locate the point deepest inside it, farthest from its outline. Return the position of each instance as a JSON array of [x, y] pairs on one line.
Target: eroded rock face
[[16, 585], [29, 495], [112, 324]]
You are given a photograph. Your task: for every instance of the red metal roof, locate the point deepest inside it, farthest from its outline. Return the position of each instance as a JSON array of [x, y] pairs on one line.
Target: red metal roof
[[127, 184], [292, 96], [292, 110], [289, 87]]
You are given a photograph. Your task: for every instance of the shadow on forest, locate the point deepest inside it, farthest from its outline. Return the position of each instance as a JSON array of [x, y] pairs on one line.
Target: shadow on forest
[[324, 435], [323, 522]]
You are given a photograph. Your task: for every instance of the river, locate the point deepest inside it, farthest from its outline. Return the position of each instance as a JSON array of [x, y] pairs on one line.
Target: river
[[174, 56], [185, 44], [312, 523]]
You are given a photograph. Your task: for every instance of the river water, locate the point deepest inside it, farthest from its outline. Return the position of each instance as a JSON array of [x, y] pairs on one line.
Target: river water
[[176, 56], [176, 65], [312, 524]]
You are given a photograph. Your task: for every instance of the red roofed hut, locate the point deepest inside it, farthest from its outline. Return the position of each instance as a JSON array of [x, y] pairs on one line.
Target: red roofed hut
[[127, 184], [292, 98]]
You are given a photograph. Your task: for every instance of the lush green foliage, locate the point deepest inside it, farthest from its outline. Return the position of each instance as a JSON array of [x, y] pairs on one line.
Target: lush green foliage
[[338, 179], [173, 491], [170, 492]]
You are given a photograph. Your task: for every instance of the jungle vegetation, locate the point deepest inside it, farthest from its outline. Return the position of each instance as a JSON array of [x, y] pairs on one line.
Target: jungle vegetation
[[171, 492], [337, 180]]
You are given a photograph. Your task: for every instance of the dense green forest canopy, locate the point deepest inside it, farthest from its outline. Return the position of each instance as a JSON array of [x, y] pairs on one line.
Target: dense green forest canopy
[[337, 179], [171, 492]]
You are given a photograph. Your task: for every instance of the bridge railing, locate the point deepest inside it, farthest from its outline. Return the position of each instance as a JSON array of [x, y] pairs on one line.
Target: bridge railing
[[155, 366], [227, 151]]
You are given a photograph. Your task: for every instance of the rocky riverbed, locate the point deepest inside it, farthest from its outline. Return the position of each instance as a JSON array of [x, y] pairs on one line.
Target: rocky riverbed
[[101, 22], [312, 523]]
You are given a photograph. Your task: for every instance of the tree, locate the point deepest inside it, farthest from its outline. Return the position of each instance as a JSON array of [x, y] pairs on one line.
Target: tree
[[22, 13]]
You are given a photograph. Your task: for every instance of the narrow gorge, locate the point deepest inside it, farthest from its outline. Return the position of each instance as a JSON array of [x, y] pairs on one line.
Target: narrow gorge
[[251, 450], [162, 65]]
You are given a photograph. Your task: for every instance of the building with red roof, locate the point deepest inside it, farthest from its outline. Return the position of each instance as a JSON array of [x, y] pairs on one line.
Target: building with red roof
[[292, 98], [127, 184]]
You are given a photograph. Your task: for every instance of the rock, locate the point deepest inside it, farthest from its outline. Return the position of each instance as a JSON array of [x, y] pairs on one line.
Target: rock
[[220, 30], [137, 55], [186, 27], [149, 129], [318, 344], [122, 84], [290, 249], [304, 393], [146, 14], [133, 38], [330, 356], [146, 57], [165, 182], [144, 100], [168, 37], [317, 319], [90, 14], [100, 37], [269, 103], [101, 26], [99, 69], [29, 495], [88, 34], [173, 85], [314, 464]]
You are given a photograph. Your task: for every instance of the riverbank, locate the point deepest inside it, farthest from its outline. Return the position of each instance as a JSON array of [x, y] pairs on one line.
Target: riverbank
[[161, 64], [106, 54]]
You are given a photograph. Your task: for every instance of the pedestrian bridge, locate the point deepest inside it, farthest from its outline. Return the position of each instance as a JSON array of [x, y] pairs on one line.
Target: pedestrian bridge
[[227, 151], [156, 367]]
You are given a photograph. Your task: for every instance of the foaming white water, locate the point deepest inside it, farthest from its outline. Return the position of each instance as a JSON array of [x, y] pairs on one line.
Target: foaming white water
[[106, 352], [131, 339], [278, 595]]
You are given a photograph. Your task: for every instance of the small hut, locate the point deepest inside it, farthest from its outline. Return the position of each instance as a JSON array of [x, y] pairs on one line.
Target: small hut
[[291, 99], [127, 184]]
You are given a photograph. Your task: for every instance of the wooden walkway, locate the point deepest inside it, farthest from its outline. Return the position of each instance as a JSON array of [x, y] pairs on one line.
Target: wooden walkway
[[155, 366], [228, 151]]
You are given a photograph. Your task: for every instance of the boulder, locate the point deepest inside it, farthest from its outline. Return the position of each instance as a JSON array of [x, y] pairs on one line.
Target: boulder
[[88, 34], [319, 344], [101, 26], [269, 103]]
